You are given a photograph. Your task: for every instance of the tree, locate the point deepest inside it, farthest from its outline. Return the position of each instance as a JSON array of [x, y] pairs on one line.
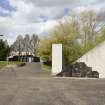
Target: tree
[[63, 33], [18, 45], [44, 48], [90, 22], [33, 43], [26, 44], [4, 50], [77, 33]]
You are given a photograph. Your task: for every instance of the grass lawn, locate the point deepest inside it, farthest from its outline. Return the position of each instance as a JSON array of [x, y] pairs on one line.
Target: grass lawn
[[46, 68], [4, 63]]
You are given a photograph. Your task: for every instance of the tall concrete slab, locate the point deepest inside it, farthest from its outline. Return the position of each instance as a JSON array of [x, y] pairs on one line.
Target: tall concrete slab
[[56, 58], [96, 59]]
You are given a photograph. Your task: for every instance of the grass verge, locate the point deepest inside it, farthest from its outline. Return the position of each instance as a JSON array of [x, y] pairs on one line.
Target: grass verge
[[46, 68], [5, 63]]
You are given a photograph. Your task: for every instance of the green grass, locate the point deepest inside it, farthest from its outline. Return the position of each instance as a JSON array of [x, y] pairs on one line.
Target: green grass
[[5, 63], [46, 68]]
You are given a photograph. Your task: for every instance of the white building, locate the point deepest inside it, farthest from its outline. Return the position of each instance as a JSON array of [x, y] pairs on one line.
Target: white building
[[96, 59]]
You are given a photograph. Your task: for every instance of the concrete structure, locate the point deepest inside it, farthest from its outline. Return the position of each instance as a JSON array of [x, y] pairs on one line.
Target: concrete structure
[[56, 58], [96, 59]]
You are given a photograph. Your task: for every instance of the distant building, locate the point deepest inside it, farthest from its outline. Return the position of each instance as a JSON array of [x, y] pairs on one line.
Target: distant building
[[24, 57], [22, 53]]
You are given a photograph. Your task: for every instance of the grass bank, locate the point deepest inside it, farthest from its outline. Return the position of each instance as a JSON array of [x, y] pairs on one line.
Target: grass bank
[[46, 68], [5, 63]]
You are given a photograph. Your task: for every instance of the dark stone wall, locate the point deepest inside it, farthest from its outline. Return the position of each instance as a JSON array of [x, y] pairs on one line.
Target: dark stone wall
[[79, 69]]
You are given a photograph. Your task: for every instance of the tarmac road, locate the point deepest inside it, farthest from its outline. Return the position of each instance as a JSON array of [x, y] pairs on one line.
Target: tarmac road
[[30, 85]]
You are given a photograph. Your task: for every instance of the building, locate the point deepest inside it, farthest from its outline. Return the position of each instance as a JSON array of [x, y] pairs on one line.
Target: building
[[23, 57]]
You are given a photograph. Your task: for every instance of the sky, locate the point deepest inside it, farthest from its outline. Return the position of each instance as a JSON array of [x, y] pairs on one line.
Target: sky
[[20, 17]]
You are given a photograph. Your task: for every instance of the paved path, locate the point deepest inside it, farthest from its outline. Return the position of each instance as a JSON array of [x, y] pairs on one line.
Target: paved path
[[30, 85]]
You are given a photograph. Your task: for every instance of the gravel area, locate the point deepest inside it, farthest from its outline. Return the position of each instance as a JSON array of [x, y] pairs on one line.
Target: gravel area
[[30, 85]]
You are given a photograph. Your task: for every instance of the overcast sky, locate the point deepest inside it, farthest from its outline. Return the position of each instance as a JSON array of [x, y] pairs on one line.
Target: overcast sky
[[38, 16]]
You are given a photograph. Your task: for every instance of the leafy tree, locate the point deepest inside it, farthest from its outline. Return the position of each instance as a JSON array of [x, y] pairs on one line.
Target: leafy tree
[[78, 33], [4, 50], [60, 34], [45, 48]]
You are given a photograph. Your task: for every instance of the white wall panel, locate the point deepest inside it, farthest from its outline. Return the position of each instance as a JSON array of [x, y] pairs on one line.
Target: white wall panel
[[56, 58], [96, 59]]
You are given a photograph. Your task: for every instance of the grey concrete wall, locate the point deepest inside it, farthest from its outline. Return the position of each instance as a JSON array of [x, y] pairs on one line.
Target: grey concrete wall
[[96, 59]]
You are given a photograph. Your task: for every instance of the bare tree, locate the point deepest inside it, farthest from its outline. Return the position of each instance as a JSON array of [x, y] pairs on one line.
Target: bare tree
[[90, 22], [26, 44], [18, 45], [33, 43]]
